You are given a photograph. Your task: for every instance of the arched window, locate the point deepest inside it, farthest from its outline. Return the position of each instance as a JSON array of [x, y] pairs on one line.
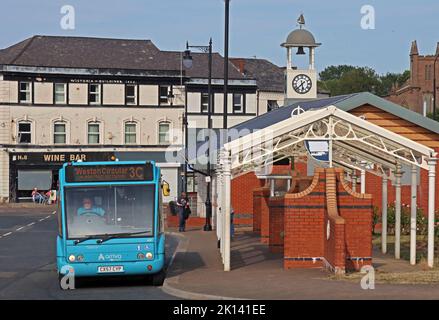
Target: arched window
[[24, 132], [164, 132], [130, 132], [59, 132], [94, 132]]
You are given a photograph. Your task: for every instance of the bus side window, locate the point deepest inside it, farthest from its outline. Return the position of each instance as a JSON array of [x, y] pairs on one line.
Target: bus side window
[[59, 216], [160, 214]]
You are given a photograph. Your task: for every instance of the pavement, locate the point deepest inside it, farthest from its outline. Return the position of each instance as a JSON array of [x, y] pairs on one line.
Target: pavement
[[197, 273], [27, 262]]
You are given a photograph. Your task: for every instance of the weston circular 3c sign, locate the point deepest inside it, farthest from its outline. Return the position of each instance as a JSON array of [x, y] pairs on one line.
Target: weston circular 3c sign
[[109, 173]]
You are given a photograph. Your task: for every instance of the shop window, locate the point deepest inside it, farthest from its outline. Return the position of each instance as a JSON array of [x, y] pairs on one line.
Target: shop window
[[59, 133], [130, 132], [94, 134], [95, 94], [24, 132], [25, 92], [60, 93], [164, 133]]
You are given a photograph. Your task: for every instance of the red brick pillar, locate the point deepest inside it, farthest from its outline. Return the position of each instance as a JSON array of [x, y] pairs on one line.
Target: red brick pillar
[[265, 215], [260, 196], [276, 224]]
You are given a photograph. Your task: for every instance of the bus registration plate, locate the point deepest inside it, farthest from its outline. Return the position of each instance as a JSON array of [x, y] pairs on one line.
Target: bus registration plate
[[110, 269]]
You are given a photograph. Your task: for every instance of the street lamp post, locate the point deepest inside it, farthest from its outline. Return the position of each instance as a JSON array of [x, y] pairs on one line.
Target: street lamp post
[[187, 61], [434, 86], [226, 61]]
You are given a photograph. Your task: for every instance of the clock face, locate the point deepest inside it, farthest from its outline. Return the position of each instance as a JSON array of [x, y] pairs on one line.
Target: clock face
[[302, 83]]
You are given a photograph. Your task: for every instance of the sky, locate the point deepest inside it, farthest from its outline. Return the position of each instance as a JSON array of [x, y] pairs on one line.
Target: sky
[[257, 27]]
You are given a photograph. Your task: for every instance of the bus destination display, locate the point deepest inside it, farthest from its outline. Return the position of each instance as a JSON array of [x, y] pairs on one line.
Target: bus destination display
[[109, 173]]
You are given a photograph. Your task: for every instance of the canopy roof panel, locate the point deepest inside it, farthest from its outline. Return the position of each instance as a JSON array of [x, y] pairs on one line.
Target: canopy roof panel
[[354, 142]]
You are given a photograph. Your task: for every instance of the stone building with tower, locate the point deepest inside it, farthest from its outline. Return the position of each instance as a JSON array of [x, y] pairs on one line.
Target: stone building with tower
[[417, 93]]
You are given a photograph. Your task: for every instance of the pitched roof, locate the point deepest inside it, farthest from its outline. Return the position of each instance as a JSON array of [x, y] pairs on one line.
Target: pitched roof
[[199, 69], [106, 53], [269, 76], [345, 103]]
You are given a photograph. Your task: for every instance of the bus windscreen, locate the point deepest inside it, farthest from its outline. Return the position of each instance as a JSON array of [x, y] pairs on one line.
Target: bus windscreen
[[109, 173]]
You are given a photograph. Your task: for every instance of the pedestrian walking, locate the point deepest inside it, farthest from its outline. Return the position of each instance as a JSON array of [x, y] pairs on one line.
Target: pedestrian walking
[[182, 204]]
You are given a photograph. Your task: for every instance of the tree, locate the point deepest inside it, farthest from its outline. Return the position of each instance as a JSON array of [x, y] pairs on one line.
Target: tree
[[345, 79]]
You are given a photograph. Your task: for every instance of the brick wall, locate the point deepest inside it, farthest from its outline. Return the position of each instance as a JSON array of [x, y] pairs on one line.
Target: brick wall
[[242, 198], [357, 210], [304, 215], [276, 225], [260, 196], [327, 204]]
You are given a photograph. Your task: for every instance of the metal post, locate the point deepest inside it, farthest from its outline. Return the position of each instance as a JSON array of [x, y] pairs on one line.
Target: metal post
[[434, 86], [398, 175], [226, 60], [354, 181], [208, 226], [363, 181], [431, 204], [384, 217], [271, 187], [227, 199], [413, 217]]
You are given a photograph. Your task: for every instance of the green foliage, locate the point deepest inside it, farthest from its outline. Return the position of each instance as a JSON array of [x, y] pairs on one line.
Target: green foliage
[[421, 220], [376, 218], [346, 79]]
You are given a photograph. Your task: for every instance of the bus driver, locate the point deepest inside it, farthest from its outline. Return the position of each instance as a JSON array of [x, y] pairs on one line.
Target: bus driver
[[89, 209]]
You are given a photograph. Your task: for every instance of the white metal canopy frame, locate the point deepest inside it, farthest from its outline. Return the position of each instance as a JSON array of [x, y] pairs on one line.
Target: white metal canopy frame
[[354, 144]]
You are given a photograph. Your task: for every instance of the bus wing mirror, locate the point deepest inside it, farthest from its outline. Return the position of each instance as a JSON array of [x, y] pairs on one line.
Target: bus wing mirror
[[166, 189]]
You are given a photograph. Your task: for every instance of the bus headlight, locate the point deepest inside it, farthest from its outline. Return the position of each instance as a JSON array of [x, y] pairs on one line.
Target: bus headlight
[[72, 258], [80, 258], [140, 256], [149, 255]]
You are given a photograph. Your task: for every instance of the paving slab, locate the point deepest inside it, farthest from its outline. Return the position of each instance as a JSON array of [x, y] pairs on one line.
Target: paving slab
[[197, 273]]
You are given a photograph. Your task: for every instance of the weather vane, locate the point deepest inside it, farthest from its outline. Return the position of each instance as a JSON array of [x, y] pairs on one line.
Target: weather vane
[[301, 21]]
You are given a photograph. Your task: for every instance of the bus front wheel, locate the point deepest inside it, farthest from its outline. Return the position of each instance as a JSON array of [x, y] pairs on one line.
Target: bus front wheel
[[158, 278]]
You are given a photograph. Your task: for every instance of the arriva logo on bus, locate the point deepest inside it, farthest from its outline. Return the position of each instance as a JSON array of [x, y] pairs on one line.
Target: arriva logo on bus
[[110, 257]]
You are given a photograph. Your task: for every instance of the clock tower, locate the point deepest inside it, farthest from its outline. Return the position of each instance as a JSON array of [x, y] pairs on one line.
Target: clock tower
[[301, 83]]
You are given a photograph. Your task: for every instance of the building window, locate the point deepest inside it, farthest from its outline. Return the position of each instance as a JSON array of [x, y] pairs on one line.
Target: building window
[[24, 132], [59, 133], [238, 103], [94, 133], [205, 102], [94, 94], [165, 93], [272, 105], [164, 134], [25, 92], [130, 132], [60, 93], [131, 94]]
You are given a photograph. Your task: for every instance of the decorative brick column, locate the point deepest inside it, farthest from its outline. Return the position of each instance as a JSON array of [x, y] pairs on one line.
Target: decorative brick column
[[261, 222], [276, 224], [260, 195], [357, 211]]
